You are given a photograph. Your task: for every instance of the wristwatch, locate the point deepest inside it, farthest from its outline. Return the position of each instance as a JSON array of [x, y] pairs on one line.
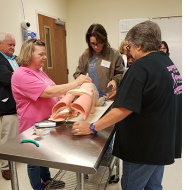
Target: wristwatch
[[92, 127]]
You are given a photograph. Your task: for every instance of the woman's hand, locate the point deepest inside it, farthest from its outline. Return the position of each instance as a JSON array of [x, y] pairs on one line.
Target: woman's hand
[[110, 95], [81, 128], [82, 78], [113, 84]]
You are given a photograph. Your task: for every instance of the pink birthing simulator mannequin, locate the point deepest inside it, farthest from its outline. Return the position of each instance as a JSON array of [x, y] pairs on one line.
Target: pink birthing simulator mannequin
[[82, 100], [61, 110]]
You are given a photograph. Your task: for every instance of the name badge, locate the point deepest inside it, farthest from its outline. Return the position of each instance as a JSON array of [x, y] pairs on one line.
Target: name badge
[[105, 63]]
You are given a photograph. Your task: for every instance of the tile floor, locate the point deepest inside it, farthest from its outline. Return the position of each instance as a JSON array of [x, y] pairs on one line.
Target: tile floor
[[172, 178]]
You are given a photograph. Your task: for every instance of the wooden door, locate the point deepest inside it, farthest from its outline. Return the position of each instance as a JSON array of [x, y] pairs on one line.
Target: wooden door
[[55, 38]]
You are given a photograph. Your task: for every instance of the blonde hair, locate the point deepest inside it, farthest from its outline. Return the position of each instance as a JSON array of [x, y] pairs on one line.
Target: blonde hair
[[27, 50], [123, 43]]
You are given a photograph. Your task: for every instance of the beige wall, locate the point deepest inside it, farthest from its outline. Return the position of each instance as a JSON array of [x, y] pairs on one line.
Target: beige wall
[[82, 13], [79, 15], [11, 15]]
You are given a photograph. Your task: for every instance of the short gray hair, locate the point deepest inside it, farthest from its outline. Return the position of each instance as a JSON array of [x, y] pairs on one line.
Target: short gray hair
[[3, 36], [145, 34]]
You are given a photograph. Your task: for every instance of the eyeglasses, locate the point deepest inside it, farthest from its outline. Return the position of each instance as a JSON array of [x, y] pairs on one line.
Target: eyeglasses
[[128, 47], [39, 42], [97, 44]]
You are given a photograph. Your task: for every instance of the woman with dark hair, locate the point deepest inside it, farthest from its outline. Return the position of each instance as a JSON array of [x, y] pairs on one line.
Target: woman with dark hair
[[102, 63], [164, 47]]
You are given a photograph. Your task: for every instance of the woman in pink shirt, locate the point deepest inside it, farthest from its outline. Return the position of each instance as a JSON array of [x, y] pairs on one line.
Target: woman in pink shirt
[[35, 95]]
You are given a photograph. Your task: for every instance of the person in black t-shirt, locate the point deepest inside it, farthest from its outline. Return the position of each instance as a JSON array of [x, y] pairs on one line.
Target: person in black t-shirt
[[147, 112]]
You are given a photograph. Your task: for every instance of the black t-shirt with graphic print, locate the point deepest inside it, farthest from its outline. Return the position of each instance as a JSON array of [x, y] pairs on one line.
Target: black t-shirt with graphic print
[[152, 89]]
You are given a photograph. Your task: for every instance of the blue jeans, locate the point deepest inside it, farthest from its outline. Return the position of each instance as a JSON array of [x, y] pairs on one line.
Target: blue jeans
[[141, 176], [36, 174]]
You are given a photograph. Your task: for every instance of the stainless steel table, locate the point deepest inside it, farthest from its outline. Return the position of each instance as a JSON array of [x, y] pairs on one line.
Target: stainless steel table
[[58, 149]]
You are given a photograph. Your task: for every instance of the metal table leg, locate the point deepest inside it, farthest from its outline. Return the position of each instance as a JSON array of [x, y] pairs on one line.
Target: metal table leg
[[80, 181], [117, 168], [14, 178]]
